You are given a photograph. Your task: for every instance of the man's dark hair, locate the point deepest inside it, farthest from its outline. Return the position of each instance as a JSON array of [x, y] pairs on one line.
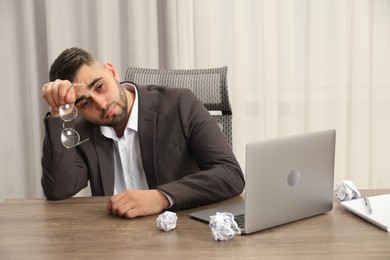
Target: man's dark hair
[[68, 62]]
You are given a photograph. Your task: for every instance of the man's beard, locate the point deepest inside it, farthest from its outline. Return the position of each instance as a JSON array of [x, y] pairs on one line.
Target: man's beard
[[118, 119]]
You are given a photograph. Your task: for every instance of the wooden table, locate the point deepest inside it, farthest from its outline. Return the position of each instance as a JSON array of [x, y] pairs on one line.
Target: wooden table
[[80, 228]]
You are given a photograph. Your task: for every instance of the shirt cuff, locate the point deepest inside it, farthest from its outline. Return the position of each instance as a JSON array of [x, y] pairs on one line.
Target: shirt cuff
[[169, 197]]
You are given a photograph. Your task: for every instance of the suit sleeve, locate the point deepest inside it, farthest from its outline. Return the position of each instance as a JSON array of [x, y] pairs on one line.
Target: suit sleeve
[[64, 172], [219, 176]]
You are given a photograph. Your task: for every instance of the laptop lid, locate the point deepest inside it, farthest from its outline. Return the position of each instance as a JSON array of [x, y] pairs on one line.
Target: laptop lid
[[287, 179]]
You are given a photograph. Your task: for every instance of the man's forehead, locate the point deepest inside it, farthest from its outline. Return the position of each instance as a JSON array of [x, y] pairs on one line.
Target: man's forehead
[[89, 83], [88, 73]]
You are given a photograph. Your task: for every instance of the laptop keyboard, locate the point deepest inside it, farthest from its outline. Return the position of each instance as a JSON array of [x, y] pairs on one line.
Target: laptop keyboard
[[240, 220]]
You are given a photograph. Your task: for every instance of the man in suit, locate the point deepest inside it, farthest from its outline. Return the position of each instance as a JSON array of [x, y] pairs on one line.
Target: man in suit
[[150, 148]]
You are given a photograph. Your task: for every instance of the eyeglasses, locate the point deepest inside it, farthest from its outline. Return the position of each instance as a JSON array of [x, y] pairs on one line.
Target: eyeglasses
[[69, 137]]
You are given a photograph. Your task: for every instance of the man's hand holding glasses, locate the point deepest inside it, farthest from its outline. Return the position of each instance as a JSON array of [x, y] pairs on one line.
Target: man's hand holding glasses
[[54, 95]]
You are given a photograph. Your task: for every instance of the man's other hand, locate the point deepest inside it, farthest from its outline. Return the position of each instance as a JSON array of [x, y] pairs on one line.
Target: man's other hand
[[136, 203]]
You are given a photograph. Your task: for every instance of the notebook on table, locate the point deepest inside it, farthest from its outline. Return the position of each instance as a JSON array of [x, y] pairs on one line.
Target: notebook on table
[[378, 213], [287, 179]]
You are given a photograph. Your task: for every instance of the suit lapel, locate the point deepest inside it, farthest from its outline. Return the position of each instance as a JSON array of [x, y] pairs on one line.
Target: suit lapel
[[147, 135], [106, 161]]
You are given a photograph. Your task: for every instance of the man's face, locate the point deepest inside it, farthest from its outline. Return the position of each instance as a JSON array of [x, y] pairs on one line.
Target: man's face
[[102, 101]]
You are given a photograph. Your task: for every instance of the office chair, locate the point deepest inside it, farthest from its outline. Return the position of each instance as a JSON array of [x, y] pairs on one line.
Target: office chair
[[209, 85]]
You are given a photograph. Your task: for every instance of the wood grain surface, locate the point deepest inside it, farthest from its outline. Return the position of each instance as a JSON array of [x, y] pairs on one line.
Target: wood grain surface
[[80, 228]]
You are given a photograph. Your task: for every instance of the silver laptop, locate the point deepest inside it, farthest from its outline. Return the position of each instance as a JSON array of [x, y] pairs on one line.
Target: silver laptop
[[287, 179]]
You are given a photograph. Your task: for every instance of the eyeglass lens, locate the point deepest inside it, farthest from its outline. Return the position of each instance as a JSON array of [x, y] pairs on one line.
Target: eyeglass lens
[[68, 112], [69, 137]]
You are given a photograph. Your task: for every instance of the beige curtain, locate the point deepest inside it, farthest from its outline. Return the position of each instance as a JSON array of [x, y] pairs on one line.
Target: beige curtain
[[294, 66]]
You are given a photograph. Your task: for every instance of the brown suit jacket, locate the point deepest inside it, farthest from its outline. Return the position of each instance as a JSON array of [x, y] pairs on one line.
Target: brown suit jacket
[[184, 153]]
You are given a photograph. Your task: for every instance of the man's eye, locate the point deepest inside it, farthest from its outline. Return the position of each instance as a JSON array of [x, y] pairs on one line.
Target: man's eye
[[85, 104], [100, 86]]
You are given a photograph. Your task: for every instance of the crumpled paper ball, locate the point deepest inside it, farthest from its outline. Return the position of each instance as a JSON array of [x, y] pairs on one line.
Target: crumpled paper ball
[[223, 226], [346, 190], [167, 221]]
